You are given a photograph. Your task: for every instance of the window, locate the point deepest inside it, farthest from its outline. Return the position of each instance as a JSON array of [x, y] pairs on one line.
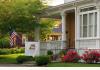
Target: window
[[88, 22]]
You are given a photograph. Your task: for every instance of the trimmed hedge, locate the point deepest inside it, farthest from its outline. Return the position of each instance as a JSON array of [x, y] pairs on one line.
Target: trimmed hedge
[[4, 51], [42, 60], [22, 58], [11, 51]]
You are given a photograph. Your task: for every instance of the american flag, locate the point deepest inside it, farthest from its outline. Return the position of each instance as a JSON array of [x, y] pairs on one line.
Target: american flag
[[12, 37]]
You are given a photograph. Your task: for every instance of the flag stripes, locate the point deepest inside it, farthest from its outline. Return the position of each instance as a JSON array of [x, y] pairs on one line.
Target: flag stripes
[[12, 36]]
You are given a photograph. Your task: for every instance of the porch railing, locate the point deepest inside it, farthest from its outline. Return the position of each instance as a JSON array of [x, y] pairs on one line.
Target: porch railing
[[54, 46], [57, 46]]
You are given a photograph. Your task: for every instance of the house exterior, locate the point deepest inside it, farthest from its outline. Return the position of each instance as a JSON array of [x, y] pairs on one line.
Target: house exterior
[[80, 23]]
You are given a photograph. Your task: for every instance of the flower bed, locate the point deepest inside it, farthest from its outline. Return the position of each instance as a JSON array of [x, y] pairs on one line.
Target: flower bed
[[91, 56]]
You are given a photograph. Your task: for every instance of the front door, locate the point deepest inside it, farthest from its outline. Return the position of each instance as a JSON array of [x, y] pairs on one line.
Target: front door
[[70, 23]]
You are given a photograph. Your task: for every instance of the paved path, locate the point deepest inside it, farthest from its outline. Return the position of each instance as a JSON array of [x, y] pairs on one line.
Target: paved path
[[17, 65]]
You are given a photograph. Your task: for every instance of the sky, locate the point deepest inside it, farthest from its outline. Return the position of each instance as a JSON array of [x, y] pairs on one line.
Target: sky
[[57, 2]]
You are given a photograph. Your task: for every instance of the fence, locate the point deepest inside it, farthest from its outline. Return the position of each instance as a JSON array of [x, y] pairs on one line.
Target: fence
[[54, 46]]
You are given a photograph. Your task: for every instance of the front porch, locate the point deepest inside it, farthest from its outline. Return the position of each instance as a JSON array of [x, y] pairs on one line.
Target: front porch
[[67, 19]]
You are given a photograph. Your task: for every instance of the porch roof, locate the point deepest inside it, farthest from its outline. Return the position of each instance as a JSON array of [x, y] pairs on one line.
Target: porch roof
[[54, 12]]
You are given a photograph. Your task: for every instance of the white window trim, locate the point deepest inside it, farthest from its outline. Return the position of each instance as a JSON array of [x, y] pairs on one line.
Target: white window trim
[[87, 12]]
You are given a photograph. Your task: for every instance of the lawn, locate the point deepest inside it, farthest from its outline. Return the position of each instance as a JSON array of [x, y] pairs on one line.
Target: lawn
[[72, 65], [11, 58]]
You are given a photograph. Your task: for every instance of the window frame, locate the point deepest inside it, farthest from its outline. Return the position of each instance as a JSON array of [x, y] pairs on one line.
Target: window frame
[[81, 23]]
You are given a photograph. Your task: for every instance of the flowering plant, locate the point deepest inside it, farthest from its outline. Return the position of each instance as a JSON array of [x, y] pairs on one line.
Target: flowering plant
[[71, 56], [91, 56]]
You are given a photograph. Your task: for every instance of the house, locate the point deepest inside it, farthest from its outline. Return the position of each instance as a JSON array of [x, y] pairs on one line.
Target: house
[[80, 23]]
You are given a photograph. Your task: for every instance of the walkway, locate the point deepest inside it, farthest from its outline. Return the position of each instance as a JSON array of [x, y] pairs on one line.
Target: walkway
[[17, 65]]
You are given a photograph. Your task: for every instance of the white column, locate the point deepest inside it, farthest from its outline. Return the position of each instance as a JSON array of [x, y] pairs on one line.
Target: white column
[[63, 15]]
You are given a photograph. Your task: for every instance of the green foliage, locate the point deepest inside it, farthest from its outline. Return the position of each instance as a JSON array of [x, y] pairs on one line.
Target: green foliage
[[23, 16], [62, 52], [17, 50], [4, 51], [4, 43], [42, 60], [20, 15], [11, 51], [49, 52], [22, 58], [46, 27]]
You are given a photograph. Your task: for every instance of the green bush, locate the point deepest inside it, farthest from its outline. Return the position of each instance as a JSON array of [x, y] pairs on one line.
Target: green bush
[[11, 51], [22, 58], [42, 60], [17, 50], [49, 52], [4, 43], [62, 52], [4, 51]]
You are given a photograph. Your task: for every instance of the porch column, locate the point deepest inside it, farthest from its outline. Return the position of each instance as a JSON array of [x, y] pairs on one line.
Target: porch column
[[63, 15]]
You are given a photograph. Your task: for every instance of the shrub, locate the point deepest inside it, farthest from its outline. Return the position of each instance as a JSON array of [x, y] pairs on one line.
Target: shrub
[[4, 43], [4, 51], [49, 52], [11, 50], [71, 56], [42, 60], [62, 52], [17, 50], [91, 56], [22, 59]]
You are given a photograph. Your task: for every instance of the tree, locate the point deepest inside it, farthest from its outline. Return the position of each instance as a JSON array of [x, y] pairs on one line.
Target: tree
[[19, 15], [47, 25], [22, 16]]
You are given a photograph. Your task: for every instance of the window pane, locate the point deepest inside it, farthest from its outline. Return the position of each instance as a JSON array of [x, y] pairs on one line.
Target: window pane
[[88, 9], [85, 25], [90, 30], [84, 31], [85, 20], [81, 30], [95, 24], [91, 19], [91, 24]]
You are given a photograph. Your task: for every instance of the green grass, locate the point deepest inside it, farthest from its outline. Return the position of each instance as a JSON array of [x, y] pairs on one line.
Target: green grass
[[72, 65], [10, 58]]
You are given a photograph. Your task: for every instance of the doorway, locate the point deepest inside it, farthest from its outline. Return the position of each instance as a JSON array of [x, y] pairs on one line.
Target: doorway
[[70, 30]]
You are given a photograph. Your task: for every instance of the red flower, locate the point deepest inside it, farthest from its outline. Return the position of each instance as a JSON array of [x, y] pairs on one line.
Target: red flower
[[91, 56], [71, 56]]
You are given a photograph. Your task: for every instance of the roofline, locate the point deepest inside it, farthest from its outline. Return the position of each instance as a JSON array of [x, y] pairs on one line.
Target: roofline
[[58, 8]]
